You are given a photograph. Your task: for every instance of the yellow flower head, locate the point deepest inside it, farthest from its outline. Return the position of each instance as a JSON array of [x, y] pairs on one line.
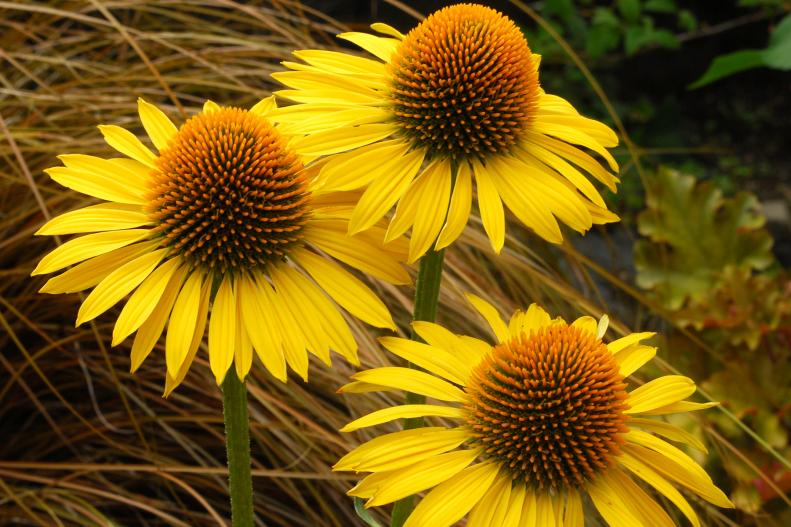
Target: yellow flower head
[[457, 99], [221, 227], [542, 417]]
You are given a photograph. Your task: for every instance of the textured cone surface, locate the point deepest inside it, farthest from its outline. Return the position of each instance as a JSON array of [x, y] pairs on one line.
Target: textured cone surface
[[464, 83], [228, 194], [549, 407]]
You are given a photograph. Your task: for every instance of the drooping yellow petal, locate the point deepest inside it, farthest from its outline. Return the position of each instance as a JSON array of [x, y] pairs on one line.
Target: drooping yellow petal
[[448, 502], [385, 29], [491, 206], [564, 168], [182, 323], [405, 411], [347, 290], [493, 506], [575, 155], [150, 331], [430, 216], [127, 143], [338, 62], [413, 381], [377, 46], [91, 272], [171, 383], [574, 136], [435, 360], [101, 217], [573, 515], [459, 209], [401, 449], [639, 503], [385, 487], [158, 126], [302, 310], [144, 300], [675, 465], [307, 78], [600, 132], [545, 510], [262, 327], [243, 354], [294, 339], [131, 174], [648, 475], [529, 511], [118, 284], [490, 314], [357, 251], [384, 192], [88, 246], [659, 392], [610, 505], [222, 330], [668, 430]]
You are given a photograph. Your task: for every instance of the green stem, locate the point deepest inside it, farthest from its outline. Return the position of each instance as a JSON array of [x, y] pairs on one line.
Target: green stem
[[237, 444], [429, 276]]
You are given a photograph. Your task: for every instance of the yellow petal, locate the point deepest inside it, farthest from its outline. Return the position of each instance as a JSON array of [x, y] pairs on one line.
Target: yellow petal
[[101, 217], [621, 344], [377, 46], [358, 251], [182, 324], [294, 341], [529, 510], [405, 411], [210, 107], [674, 464], [340, 140], [390, 31], [545, 510], [127, 143], [533, 319], [633, 358], [610, 505], [197, 337], [88, 246], [412, 381], [680, 408], [448, 502], [118, 284], [243, 354], [158, 127], [573, 515], [222, 330], [340, 62], [659, 392], [348, 291], [669, 431], [491, 207], [150, 331], [575, 155], [494, 505], [648, 475], [99, 185], [91, 272], [459, 210], [490, 314], [401, 449], [386, 487], [262, 327], [574, 136], [587, 324], [435, 360], [384, 192], [638, 502], [143, 301], [264, 106], [566, 170], [434, 185]]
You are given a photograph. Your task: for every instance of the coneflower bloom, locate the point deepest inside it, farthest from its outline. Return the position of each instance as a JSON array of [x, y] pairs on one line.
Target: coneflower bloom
[[220, 228], [543, 417], [456, 100]]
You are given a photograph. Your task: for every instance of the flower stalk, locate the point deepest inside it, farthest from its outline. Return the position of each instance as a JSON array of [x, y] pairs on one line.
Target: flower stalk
[[237, 444]]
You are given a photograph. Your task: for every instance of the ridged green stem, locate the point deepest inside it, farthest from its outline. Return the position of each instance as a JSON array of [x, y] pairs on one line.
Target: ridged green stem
[[429, 276], [237, 444]]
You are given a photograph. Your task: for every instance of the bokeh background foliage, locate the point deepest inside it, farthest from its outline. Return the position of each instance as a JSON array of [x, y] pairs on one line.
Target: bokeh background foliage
[[82, 442]]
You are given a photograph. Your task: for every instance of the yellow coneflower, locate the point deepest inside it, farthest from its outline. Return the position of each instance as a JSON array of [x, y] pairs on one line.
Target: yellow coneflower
[[457, 99], [224, 216], [544, 417]]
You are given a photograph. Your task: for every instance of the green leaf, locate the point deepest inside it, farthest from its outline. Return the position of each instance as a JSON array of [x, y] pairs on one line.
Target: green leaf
[[660, 6], [603, 16], [564, 9], [727, 65], [694, 233], [630, 10], [686, 20], [778, 53], [364, 515]]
